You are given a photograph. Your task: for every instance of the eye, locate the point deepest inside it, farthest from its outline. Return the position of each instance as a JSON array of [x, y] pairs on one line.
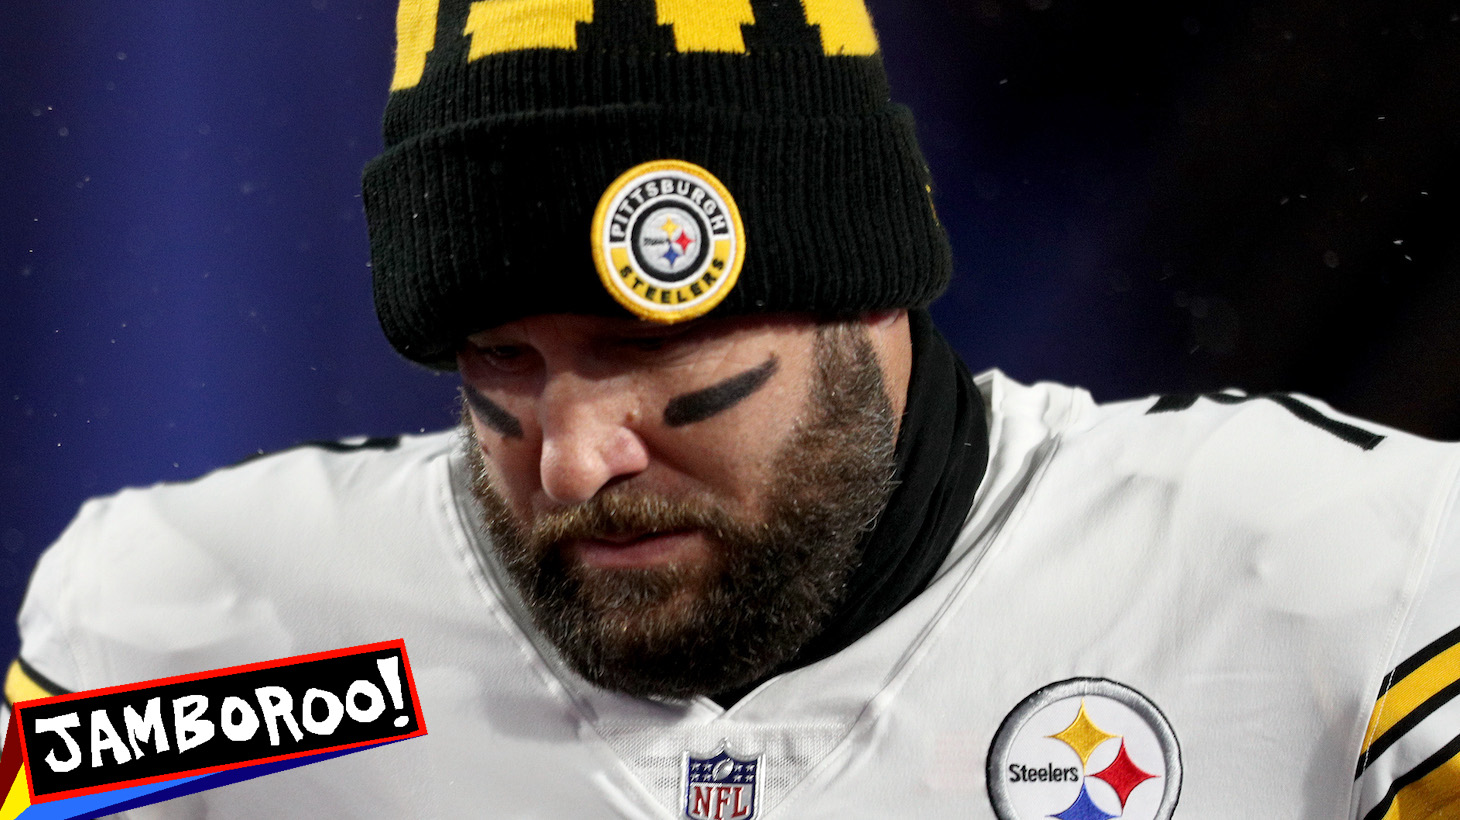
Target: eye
[[507, 358], [501, 352]]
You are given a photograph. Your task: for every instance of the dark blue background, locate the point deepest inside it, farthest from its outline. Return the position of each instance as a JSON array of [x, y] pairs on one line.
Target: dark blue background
[[1157, 197]]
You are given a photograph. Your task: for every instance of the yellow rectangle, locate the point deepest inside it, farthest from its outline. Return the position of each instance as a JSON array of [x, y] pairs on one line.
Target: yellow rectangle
[[415, 36], [846, 27], [707, 25], [497, 26]]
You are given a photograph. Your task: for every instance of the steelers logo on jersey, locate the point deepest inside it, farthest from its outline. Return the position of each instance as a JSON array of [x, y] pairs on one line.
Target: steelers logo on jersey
[[668, 241], [1085, 749]]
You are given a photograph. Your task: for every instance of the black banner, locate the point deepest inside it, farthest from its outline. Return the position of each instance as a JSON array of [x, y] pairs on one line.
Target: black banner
[[195, 724]]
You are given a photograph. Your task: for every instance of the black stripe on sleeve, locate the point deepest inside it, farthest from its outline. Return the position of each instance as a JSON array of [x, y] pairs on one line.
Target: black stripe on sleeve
[[41, 680], [1434, 761], [1381, 743], [1420, 658], [1357, 436], [1173, 403], [50, 686], [372, 443]]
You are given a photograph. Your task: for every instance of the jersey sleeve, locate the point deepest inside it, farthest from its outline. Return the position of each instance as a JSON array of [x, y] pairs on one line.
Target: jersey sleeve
[[48, 662], [40, 636], [1409, 764], [23, 683]]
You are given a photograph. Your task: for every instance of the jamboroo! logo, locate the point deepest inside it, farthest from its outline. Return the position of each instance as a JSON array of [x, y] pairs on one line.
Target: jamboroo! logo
[[105, 750], [1085, 749]]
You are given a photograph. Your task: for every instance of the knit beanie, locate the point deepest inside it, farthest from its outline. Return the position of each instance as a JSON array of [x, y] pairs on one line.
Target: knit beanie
[[664, 159]]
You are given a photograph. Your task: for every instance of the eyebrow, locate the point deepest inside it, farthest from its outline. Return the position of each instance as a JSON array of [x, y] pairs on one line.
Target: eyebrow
[[491, 414], [717, 398]]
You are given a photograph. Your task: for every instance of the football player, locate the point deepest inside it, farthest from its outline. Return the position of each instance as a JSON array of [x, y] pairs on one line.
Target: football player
[[727, 530]]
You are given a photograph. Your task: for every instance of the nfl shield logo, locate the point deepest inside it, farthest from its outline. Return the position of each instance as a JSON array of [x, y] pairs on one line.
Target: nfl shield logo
[[720, 787]]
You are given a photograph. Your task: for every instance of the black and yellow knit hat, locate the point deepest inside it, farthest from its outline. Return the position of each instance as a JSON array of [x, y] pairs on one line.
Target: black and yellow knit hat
[[658, 158]]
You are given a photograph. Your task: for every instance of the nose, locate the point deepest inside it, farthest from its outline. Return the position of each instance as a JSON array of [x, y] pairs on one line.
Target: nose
[[588, 439]]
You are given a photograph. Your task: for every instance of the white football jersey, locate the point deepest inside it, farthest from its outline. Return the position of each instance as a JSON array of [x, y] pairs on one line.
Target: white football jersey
[[1230, 607]]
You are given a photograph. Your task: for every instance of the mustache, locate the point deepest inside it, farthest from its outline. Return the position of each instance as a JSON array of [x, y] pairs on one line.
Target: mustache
[[620, 515]]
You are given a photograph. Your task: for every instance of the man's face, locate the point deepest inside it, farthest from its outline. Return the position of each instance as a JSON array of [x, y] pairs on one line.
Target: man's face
[[679, 507]]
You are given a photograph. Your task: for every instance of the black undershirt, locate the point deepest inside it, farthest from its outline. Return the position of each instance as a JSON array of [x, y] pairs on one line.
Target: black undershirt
[[942, 452]]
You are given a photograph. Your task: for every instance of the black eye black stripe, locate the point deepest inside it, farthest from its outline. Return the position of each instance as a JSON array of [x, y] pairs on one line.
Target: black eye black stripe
[[682, 410], [493, 416], [716, 399]]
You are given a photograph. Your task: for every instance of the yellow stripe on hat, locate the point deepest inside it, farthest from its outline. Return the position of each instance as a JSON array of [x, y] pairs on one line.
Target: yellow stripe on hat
[[500, 26], [707, 25], [846, 27], [497, 26], [1411, 692], [415, 36], [19, 686]]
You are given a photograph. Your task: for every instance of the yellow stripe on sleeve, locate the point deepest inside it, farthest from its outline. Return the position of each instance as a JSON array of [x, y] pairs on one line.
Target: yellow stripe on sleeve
[[1437, 794], [1416, 688], [19, 686]]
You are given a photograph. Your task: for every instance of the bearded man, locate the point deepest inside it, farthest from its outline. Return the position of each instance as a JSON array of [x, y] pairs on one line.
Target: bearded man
[[727, 530]]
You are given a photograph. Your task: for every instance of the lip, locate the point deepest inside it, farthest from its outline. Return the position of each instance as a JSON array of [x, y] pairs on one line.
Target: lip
[[638, 551]]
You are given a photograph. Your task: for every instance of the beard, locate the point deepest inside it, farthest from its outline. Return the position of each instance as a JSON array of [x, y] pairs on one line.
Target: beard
[[771, 584]]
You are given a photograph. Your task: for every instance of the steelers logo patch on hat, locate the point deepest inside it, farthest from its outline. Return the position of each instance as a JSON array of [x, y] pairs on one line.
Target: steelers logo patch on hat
[[668, 240]]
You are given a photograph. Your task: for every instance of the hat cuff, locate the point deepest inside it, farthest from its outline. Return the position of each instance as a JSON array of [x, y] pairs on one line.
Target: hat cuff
[[482, 223]]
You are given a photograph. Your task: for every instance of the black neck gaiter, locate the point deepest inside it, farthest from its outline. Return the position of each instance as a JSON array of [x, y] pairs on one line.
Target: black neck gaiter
[[942, 452]]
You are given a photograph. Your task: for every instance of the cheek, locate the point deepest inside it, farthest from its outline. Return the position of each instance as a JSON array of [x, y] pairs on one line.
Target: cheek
[[512, 463], [733, 468], [734, 454]]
